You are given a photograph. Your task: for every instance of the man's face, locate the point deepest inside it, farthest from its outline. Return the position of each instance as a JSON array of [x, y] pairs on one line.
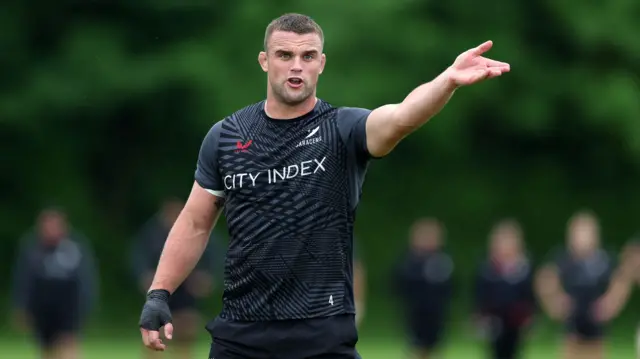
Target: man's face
[[52, 227], [293, 64], [506, 244], [583, 236], [426, 238]]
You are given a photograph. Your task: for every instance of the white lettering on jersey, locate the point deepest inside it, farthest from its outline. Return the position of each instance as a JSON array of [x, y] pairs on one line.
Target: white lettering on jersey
[[275, 175], [331, 299]]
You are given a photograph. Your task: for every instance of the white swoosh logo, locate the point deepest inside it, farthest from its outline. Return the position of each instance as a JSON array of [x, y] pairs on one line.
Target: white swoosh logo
[[315, 130]]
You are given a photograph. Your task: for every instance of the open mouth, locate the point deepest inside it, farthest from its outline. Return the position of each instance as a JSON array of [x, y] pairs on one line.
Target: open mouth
[[294, 81]]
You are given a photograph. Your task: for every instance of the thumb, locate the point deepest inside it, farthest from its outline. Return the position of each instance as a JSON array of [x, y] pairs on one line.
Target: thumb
[[168, 330]]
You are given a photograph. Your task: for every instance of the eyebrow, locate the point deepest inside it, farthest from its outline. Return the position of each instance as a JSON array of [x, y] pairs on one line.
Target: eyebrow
[[289, 52]]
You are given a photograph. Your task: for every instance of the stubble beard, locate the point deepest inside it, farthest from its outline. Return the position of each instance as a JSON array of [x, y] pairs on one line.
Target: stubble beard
[[288, 97]]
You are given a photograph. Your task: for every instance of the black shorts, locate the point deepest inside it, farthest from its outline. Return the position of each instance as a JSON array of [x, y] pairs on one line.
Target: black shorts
[[182, 300], [318, 338], [585, 328], [51, 323]]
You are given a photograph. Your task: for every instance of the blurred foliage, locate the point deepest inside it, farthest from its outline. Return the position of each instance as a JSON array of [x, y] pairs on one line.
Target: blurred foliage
[[103, 105]]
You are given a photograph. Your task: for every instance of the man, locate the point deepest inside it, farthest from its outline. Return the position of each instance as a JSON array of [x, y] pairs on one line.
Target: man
[[423, 283], [146, 252], [55, 285], [504, 299], [288, 172], [583, 288]]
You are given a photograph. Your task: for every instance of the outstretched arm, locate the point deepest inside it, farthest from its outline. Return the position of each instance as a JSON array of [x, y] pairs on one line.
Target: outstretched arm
[[389, 124]]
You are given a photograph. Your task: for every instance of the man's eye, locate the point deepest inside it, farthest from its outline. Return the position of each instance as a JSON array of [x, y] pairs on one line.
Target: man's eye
[[285, 56], [308, 57]]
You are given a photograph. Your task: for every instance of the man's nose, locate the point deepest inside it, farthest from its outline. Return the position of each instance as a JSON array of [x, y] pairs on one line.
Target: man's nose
[[296, 66]]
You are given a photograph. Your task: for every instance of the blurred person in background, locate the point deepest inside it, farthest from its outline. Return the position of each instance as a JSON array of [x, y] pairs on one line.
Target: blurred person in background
[[423, 281], [583, 288], [55, 285], [359, 284], [631, 269], [504, 297], [145, 255]]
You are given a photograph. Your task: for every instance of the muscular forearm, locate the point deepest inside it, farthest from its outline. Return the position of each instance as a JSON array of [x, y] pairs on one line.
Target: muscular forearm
[[423, 103], [183, 248], [389, 124]]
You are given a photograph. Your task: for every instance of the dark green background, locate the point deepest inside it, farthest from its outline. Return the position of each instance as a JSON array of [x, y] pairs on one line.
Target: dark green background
[[103, 106]]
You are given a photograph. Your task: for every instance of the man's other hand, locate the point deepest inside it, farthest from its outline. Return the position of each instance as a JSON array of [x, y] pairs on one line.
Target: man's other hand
[[156, 315]]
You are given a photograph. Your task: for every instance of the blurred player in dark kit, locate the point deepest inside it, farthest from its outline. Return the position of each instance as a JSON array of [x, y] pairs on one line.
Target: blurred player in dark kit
[[504, 297], [55, 285], [583, 288], [145, 255], [288, 173], [423, 280]]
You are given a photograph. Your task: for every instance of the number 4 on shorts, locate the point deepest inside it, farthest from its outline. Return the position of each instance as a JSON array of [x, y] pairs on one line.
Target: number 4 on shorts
[[331, 299]]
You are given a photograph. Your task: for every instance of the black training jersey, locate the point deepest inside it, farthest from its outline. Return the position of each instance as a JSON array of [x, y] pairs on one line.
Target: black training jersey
[[291, 189]]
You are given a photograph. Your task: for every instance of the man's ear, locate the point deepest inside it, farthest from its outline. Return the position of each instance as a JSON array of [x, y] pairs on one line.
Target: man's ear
[[323, 61], [262, 60]]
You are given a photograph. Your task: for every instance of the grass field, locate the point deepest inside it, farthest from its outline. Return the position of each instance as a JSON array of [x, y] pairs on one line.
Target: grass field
[[370, 348]]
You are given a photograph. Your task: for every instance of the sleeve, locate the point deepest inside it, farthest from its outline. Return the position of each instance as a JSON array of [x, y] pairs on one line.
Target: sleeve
[[22, 278], [352, 123], [207, 173]]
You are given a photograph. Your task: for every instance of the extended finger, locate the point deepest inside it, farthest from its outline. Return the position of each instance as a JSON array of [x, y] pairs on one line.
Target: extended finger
[[145, 337], [482, 48], [154, 340], [494, 63]]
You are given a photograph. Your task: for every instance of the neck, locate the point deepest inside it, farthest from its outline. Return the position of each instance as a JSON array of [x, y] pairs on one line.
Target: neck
[[280, 111]]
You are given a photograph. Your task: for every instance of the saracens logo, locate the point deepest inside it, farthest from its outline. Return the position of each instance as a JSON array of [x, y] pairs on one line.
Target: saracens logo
[[310, 139]]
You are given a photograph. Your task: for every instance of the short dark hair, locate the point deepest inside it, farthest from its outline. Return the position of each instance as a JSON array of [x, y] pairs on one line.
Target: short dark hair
[[297, 23]]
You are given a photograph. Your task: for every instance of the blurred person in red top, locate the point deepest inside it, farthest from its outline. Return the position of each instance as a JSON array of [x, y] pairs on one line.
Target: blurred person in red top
[[504, 299], [55, 285]]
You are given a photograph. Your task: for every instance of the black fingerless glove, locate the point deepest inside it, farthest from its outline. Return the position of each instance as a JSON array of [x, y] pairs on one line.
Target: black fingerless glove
[[155, 312]]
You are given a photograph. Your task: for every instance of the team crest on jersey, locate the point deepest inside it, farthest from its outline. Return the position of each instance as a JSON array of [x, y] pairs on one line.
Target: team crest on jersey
[[312, 138]]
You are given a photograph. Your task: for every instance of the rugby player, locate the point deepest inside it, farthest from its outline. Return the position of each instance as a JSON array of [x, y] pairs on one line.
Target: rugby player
[[288, 173]]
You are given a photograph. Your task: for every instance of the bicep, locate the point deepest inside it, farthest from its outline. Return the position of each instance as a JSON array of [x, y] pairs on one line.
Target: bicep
[[203, 207], [382, 131]]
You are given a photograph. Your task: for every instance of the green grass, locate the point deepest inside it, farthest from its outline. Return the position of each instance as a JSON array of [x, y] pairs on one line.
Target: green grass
[[369, 347]]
